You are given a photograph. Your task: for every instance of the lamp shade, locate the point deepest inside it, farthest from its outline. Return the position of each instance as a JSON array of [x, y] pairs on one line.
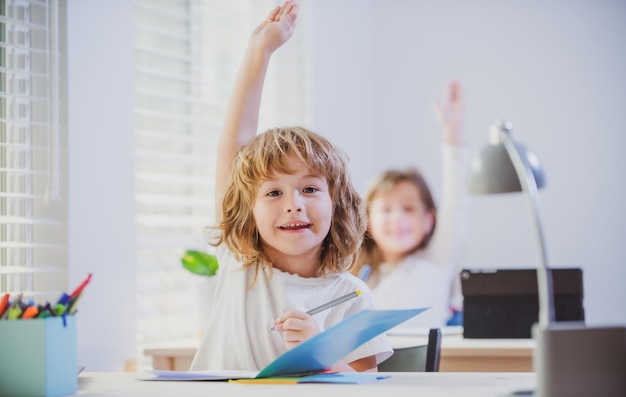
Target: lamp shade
[[492, 170]]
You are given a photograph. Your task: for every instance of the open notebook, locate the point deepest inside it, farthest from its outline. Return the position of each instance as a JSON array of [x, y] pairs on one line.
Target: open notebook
[[313, 356]]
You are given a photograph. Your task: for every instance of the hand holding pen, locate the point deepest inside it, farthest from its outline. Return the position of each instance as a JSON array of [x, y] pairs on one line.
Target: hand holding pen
[[296, 327], [299, 326]]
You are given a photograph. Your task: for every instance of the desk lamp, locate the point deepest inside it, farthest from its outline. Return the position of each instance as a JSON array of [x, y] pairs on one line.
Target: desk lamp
[[571, 359]]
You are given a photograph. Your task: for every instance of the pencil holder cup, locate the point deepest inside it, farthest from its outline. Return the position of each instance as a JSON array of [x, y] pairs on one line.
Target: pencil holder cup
[[38, 357]]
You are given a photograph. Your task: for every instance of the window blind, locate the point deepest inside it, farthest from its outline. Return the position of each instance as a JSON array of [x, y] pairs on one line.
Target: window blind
[[186, 57], [33, 142]]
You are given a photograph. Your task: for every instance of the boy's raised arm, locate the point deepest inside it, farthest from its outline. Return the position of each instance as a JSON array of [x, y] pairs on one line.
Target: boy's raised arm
[[242, 112]]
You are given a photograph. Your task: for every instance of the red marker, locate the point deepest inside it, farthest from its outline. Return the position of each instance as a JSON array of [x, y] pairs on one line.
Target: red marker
[[4, 304], [82, 285]]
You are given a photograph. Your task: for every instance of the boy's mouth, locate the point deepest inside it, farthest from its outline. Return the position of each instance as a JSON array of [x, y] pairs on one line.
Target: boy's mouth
[[295, 226]]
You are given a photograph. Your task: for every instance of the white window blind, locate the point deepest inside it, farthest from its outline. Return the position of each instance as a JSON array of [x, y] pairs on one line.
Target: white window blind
[[33, 158], [186, 57]]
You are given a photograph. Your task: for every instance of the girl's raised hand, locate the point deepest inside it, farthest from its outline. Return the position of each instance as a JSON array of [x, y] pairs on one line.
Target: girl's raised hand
[[277, 28], [450, 114], [296, 326]]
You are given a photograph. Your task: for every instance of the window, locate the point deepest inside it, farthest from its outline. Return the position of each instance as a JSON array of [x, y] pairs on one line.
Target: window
[[33, 158], [186, 57]]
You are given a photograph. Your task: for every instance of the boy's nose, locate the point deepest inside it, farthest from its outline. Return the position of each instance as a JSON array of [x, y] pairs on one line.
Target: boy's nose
[[295, 204]]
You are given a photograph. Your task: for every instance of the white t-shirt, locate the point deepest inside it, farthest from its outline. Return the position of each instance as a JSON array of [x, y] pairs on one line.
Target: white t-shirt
[[415, 282], [239, 335]]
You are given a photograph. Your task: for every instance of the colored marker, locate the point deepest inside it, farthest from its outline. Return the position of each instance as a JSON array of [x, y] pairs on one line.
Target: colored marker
[[282, 381], [45, 311], [4, 304], [15, 310], [71, 307], [82, 285], [59, 309], [64, 299], [30, 312]]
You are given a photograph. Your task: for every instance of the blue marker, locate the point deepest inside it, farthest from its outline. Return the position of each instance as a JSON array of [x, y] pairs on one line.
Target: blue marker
[[64, 299], [365, 271]]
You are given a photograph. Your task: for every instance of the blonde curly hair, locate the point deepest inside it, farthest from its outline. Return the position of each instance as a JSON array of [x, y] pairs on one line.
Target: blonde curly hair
[[268, 153]]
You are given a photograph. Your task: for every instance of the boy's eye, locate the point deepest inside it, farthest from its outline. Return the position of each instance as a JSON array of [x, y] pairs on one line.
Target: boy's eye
[[273, 193], [310, 189]]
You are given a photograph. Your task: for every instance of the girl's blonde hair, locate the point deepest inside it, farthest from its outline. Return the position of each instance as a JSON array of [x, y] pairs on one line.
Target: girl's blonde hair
[[267, 153], [384, 182]]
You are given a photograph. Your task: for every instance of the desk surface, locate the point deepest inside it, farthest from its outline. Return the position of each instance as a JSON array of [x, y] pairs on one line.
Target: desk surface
[[432, 384]]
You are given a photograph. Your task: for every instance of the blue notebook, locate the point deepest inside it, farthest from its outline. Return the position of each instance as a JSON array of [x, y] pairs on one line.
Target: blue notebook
[[312, 356]]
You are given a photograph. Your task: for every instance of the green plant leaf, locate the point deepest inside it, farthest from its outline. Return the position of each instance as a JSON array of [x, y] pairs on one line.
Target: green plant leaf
[[199, 262]]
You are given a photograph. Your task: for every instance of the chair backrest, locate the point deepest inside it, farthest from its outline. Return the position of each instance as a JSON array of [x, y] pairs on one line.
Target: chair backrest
[[433, 354], [424, 358]]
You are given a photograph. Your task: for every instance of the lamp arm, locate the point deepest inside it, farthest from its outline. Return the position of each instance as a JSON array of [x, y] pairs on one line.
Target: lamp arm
[[529, 186]]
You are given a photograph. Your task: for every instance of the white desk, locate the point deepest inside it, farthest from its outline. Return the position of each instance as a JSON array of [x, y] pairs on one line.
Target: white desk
[[434, 384], [457, 354]]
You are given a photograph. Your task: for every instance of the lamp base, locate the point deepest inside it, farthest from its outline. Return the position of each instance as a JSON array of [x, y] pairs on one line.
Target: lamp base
[[573, 360]]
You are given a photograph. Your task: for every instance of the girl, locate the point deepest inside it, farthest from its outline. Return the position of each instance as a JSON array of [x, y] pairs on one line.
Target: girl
[[413, 258], [290, 227]]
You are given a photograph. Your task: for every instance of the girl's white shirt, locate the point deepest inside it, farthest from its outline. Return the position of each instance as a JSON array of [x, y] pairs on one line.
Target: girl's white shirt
[[430, 278], [238, 334], [415, 282]]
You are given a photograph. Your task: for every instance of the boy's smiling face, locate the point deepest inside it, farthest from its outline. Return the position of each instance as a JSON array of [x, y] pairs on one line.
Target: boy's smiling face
[[293, 214]]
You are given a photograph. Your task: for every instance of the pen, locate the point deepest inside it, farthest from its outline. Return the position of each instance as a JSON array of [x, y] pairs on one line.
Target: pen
[[332, 303], [335, 302]]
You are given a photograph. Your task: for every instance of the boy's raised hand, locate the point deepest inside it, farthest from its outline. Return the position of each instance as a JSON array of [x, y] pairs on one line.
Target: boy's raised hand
[[277, 28]]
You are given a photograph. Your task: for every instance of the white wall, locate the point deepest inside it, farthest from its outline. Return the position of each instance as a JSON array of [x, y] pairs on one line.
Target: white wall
[[555, 69], [101, 179]]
